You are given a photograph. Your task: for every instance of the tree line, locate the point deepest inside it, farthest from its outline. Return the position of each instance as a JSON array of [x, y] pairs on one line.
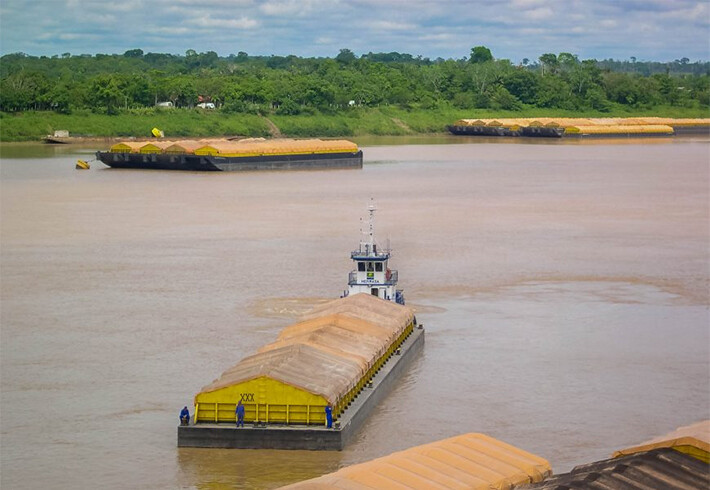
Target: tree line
[[292, 85]]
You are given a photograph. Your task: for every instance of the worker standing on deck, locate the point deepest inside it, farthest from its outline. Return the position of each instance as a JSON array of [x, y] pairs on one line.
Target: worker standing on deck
[[329, 416], [184, 416], [239, 411]]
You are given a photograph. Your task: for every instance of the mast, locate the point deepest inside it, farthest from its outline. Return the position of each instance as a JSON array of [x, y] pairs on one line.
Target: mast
[[372, 210], [367, 242]]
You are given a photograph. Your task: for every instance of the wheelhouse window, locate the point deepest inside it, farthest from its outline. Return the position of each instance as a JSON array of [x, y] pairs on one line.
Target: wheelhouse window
[[361, 266], [378, 266]]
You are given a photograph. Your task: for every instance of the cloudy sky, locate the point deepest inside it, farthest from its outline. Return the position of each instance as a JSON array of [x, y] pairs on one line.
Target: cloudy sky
[[658, 30]]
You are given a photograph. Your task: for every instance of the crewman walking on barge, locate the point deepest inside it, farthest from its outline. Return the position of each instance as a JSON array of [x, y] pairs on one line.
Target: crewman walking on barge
[[239, 411], [329, 416]]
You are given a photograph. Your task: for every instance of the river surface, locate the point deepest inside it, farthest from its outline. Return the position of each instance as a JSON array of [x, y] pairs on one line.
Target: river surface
[[563, 287]]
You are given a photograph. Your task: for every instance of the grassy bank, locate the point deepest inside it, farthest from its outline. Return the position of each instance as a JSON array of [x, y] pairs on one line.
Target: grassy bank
[[33, 126], [28, 126]]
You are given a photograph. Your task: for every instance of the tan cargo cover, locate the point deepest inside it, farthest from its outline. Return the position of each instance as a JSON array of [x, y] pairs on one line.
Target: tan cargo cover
[[328, 353], [303, 366], [365, 348], [468, 461]]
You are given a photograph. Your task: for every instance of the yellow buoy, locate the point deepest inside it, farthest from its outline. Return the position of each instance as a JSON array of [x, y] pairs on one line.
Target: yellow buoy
[[82, 165], [157, 133]]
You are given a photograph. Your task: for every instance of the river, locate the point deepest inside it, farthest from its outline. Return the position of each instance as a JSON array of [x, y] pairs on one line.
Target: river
[[563, 287]]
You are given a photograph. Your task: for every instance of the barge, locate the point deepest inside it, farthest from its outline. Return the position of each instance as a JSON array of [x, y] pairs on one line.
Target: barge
[[341, 358], [510, 130], [549, 127], [229, 155]]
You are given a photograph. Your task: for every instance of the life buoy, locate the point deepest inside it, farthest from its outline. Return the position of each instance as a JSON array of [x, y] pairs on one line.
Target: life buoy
[[388, 274]]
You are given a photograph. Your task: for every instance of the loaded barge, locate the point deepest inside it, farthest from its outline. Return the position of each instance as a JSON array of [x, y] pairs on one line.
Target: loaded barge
[[343, 357], [229, 155], [558, 127]]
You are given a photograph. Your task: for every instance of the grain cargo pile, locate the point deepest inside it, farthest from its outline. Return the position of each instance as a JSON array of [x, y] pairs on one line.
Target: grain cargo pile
[[473, 461]]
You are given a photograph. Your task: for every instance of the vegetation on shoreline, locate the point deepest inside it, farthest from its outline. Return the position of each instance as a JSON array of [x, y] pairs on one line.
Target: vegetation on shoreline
[[35, 125], [376, 93]]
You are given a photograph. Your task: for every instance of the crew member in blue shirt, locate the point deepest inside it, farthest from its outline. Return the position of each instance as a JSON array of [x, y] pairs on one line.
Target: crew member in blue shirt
[[240, 414], [329, 416], [185, 416]]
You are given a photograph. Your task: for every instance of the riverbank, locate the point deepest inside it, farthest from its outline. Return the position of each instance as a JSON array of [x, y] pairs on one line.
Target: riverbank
[[385, 121]]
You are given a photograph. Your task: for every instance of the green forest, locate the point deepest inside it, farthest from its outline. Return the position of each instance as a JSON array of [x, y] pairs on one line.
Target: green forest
[[203, 94]]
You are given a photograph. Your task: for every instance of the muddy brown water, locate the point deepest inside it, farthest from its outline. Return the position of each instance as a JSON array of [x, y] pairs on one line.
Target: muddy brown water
[[563, 286]]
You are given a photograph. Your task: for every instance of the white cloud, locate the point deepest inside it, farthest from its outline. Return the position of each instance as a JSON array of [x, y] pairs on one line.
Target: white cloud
[[170, 30], [240, 23], [538, 13], [437, 37], [124, 6], [646, 28], [205, 4], [697, 12], [282, 8], [295, 7], [71, 36], [386, 25], [532, 31], [526, 4]]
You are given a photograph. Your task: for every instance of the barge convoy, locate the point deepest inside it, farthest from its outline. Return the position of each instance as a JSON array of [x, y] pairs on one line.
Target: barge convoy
[[345, 354], [558, 127], [233, 155]]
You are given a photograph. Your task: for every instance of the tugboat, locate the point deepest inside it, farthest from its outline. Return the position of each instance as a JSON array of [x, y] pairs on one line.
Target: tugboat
[[372, 274]]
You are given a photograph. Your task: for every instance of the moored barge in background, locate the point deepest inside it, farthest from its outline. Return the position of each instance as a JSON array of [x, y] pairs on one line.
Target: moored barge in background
[[557, 127], [228, 155]]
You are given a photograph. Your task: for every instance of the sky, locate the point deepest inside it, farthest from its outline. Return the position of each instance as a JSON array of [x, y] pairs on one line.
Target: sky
[[648, 30]]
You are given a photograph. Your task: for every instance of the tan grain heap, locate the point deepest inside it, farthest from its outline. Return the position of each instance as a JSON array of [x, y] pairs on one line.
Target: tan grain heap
[[620, 129], [259, 147], [643, 123], [157, 146], [329, 352], [358, 346], [300, 365], [355, 325], [469, 461], [383, 313], [184, 147]]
